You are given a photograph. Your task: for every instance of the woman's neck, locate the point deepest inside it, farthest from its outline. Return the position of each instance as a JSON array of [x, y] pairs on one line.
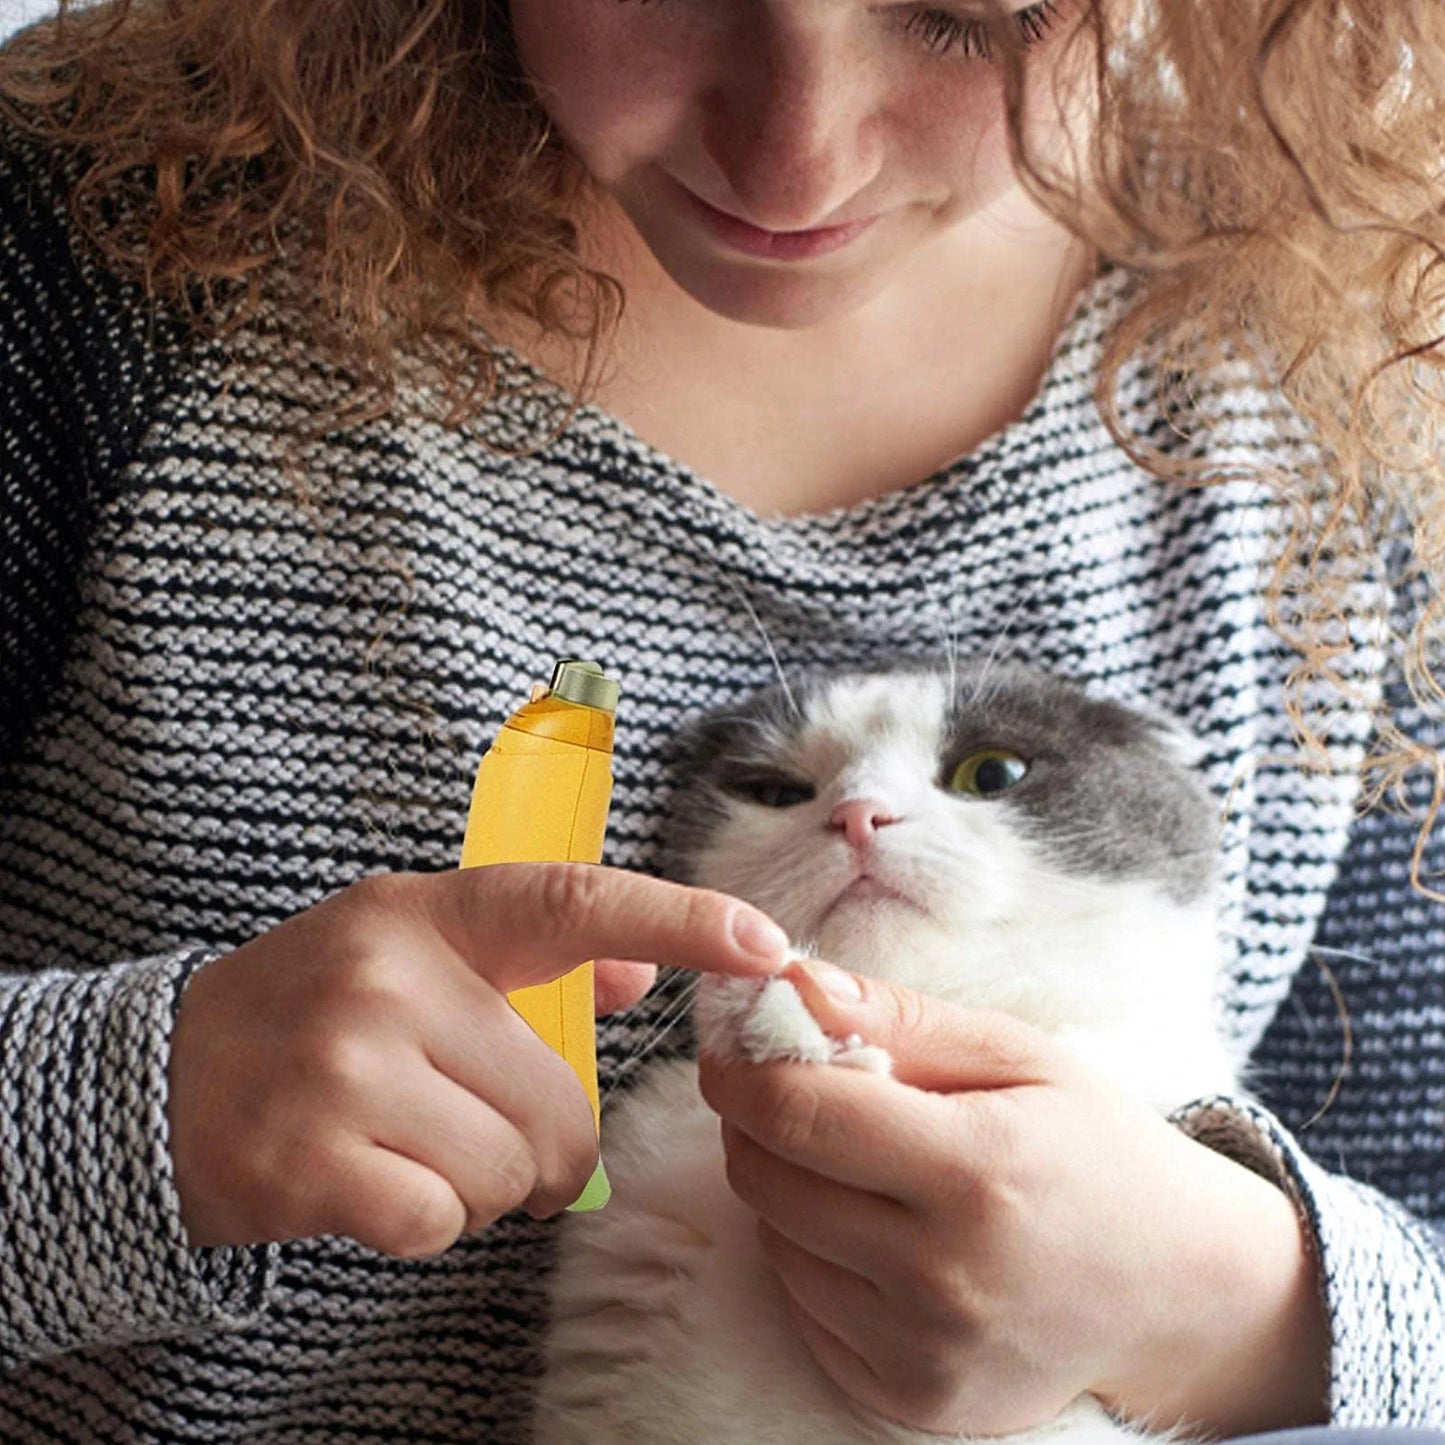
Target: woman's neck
[[798, 421]]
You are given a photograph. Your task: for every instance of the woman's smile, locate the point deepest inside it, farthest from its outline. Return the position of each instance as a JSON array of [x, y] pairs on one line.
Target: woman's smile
[[738, 234]]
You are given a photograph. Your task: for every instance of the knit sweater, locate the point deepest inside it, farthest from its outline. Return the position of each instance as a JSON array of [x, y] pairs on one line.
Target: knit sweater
[[222, 702]]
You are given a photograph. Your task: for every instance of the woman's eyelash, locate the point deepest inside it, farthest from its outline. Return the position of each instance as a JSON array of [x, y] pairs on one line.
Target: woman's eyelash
[[941, 31]]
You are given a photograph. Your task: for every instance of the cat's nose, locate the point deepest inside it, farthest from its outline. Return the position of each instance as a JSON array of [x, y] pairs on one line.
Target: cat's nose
[[860, 818]]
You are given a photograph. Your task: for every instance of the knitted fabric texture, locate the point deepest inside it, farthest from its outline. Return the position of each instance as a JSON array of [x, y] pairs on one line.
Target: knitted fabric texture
[[222, 702]]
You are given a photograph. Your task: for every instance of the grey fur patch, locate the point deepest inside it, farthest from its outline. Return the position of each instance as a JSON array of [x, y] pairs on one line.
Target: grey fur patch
[[1106, 793]]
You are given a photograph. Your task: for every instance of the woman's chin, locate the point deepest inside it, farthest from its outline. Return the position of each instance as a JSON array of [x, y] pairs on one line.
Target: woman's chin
[[779, 295], [784, 302]]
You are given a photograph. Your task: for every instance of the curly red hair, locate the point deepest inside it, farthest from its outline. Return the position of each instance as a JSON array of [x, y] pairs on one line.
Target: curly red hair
[[1269, 168]]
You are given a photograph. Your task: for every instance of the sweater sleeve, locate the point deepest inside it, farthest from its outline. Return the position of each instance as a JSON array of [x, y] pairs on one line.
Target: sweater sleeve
[[1382, 1272], [92, 1250], [1351, 1114]]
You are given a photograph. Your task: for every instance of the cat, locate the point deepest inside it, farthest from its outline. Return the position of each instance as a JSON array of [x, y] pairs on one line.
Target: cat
[[988, 833]]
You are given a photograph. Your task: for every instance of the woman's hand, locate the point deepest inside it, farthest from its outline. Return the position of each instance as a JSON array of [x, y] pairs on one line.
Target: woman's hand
[[969, 1245], [358, 1069]]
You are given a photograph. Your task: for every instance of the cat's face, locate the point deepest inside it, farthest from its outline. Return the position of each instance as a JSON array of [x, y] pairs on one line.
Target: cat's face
[[900, 822]]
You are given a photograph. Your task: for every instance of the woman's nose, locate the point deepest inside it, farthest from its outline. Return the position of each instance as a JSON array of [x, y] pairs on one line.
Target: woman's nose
[[859, 819], [792, 129]]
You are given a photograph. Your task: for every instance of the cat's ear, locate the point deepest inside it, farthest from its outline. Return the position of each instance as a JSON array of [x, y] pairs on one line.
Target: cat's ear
[[1181, 745]]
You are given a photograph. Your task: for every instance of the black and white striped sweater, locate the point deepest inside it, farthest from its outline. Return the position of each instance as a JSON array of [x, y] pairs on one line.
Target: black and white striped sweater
[[216, 710]]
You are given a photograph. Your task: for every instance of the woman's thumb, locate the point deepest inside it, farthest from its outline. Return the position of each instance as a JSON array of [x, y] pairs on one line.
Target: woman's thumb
[[934, 1044]]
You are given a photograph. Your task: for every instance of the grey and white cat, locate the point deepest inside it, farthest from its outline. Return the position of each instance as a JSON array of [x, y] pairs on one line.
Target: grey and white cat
[[989, 834]]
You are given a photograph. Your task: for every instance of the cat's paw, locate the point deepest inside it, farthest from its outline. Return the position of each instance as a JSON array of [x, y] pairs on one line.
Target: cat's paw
[[758, 1020], [765, 1020]]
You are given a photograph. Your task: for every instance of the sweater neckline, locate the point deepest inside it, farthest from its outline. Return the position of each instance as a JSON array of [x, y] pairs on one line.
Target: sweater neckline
[[609, 447]]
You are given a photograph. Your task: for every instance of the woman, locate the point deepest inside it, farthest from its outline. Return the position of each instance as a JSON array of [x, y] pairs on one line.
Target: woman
[[415, 349]]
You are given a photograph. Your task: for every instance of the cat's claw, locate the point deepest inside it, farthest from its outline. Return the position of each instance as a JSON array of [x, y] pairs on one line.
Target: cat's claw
[[767, 1021], [853, 1053]]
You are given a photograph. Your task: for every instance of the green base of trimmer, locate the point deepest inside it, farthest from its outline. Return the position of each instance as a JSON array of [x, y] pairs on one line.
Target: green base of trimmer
[[595, 1195]]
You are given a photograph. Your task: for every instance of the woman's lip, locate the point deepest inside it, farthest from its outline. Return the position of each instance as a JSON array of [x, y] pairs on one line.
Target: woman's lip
[[776, 245]]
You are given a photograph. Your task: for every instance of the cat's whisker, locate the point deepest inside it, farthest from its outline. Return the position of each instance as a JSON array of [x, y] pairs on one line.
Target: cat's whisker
[[671, 1015], [670, 994], [950, 637], [625, 1066], [678, 1004], [995, 653], [1364, 958], [768, 643]]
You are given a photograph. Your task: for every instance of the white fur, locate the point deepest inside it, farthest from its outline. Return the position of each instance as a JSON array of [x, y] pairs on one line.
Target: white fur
[[668, 1327], [762, 1022]]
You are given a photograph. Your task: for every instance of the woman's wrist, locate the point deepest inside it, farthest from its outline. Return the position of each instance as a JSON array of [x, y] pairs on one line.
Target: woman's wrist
[[1241, 1344]]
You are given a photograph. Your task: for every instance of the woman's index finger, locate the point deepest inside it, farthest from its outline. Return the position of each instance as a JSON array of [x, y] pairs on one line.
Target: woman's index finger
[[520, 924]]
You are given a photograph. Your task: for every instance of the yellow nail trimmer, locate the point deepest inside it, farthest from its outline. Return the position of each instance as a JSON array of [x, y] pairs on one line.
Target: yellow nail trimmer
[[541, 795]]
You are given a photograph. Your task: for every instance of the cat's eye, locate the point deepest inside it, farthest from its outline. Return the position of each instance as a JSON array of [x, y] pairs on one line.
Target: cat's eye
[[774, 792], [987, 773]]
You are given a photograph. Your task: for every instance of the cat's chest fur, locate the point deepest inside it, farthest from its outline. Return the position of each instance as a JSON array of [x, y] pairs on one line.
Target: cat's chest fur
[[668, 1327]]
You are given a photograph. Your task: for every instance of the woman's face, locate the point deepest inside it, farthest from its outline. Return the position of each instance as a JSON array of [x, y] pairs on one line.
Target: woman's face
[[783, 159]]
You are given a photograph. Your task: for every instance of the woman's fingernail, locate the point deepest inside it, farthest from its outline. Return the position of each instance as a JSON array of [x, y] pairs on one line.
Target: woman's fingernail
[[835, 982], [760, 937]]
